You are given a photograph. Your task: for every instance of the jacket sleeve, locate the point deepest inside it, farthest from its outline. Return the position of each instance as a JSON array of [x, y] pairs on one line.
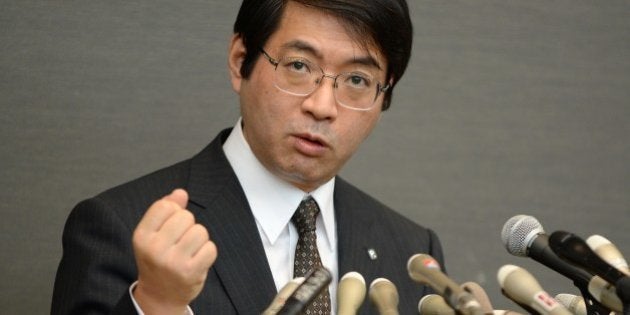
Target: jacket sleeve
[[97, 266], [435, 249]]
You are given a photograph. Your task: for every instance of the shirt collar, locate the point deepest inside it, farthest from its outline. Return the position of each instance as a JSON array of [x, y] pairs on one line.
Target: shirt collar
[[273, 200]]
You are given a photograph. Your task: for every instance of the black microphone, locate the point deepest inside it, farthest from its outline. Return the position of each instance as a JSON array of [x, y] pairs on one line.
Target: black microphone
[[575, 250], [278, 302], [623, 291], [314, 283], [524, 236]]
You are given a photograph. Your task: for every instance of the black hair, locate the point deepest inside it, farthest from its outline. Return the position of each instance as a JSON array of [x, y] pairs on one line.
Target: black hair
[[383, 23]]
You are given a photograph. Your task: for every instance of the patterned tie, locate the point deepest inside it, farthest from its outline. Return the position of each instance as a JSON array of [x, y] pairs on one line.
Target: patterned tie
[[306, 253]]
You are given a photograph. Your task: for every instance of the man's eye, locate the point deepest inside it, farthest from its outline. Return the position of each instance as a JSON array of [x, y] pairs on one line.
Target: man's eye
[[357, 81], [299, 66]]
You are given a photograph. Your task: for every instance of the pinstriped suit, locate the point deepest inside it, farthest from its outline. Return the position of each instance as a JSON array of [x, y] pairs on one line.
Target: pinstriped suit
[[98, 265]]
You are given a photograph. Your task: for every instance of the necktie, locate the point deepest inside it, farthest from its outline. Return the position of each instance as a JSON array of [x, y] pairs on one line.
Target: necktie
[[306, 253]]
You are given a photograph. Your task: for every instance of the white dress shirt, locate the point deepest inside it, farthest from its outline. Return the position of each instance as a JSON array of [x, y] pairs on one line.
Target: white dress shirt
[[273, 202]]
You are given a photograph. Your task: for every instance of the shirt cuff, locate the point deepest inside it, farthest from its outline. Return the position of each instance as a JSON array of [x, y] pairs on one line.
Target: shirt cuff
[[140, 312]]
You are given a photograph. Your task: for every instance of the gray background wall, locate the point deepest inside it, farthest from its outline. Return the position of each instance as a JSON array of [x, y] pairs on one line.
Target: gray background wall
[[507, 107]]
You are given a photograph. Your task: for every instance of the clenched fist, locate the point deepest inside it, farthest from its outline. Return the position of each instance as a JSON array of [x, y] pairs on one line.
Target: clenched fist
[[173, 255]]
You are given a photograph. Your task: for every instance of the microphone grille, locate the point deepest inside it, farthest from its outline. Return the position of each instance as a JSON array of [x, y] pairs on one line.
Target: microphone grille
[[517, 232]]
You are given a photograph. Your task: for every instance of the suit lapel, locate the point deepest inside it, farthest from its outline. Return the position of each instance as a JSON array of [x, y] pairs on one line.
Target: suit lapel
[[219, 203], [355, 237], [360, 238]]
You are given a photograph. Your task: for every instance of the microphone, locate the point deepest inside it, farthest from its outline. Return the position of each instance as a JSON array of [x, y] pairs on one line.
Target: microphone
[[480, 295], [623, 291], [575, 304], [575, 250], [604, 292], [524, 236], [608, 252], [350, 293], [521, 287], [282, 296], [425, 269], [314, 283], [433, 304], [384, 296]]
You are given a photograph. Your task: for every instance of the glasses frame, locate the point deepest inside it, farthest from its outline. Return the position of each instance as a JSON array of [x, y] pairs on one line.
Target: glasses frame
[[380, 88]]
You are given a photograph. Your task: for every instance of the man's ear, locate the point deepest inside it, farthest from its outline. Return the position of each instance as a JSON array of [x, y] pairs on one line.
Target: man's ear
[[236, 55]]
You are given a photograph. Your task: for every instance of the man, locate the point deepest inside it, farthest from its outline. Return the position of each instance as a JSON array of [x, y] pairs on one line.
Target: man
[[214, 234]]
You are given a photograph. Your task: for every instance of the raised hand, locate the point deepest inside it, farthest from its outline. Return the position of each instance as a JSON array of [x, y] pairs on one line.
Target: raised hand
[[173, 255]]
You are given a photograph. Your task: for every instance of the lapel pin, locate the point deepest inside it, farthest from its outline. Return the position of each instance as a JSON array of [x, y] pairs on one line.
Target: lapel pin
[[372, 253]]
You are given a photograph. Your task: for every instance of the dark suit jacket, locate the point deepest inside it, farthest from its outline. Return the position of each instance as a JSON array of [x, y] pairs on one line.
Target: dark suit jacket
[[98, 265]]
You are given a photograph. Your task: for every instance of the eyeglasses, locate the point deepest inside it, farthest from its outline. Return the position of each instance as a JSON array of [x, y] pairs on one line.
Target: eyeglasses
[[298, 76]]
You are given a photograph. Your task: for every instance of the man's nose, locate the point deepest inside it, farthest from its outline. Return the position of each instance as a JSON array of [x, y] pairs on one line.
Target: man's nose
[[322, 103]]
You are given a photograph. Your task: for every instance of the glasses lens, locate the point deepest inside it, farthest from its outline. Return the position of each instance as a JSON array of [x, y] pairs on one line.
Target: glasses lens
[[356, 90], [297, 76]]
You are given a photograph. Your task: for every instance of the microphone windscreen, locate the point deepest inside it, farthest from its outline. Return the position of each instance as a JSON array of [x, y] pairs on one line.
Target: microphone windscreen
[[350, 293], [520, 286], [518, 283], [425, 269], [608, 252], [605, 293], [384, 296], [505, 312], [572, 302], [480, 295], [433, 304]]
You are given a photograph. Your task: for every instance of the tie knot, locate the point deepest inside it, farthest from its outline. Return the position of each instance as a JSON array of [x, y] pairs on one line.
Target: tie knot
[[305, 216]]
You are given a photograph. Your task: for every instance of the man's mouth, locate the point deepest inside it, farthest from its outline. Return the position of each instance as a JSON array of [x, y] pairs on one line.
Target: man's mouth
[[310, 145]]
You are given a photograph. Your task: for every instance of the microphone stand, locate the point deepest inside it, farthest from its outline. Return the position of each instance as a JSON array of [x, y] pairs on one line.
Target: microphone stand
[[593, 307]]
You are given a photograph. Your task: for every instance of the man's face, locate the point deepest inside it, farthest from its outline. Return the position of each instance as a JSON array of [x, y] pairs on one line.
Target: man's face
[[305, 139]]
